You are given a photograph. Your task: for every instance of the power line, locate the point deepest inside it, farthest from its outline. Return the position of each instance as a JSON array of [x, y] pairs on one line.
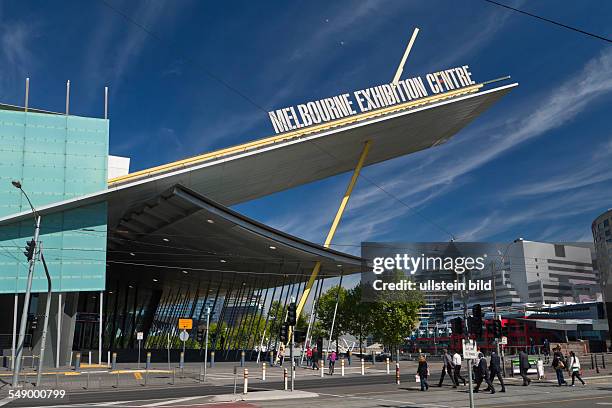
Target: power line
[[550, 21]]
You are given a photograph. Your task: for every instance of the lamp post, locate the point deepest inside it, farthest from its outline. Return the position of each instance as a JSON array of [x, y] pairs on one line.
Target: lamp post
[[26, 302]]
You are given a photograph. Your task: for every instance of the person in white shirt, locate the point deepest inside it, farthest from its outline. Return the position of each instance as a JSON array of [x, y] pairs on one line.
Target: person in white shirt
[[457, 368], [574, 367]]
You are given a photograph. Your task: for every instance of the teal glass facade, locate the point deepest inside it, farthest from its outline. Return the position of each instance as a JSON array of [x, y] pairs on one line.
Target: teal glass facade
[[56, 157]]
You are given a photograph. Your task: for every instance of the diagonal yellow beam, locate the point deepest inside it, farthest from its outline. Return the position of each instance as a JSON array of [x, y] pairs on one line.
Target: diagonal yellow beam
[[334, 226]]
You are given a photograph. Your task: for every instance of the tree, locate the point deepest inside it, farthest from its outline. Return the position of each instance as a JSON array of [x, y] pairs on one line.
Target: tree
[[358, 320], [326, 306]]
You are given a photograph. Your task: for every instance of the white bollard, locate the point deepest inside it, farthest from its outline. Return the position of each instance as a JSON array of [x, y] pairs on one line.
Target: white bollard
[[246, 381], [342, 367], [108, 363], [362, 366], [387, 365], [322, 367], [89, 357], [294, 370], [263, 371], [285, 377]]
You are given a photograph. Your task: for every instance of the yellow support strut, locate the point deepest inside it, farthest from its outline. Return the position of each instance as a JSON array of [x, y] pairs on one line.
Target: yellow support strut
[[334, 226]]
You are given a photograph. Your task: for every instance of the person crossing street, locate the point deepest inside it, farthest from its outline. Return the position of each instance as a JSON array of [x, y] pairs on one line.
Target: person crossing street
[[481, 373], [447, 368], [495, 370], [457, 368]]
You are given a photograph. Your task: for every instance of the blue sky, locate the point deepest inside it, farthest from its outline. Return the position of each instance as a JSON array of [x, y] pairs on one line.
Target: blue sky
[[537, 165]]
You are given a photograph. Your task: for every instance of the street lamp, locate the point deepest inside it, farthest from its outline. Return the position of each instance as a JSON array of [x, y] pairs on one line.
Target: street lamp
[[26, 303]]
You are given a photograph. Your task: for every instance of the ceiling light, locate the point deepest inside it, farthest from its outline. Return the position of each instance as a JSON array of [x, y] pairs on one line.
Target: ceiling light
[[272, 247], [210, 221], [184, 271], [133, 254], [339, 266], [131, 287], [165, 240], [154, 280], [223, 261]]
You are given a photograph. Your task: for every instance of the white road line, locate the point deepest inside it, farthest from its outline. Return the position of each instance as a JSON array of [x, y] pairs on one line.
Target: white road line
[[174, 401], [5, 401]]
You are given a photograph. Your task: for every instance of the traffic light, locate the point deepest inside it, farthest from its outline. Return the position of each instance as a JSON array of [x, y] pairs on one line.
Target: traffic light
[[29, 249], [477, 320], [300, 336], [457, 325], [292, 314], [284, 333], [497, 329], [200, 336]]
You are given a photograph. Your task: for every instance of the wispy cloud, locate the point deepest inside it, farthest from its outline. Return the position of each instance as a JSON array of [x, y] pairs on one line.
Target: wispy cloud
[[16, 56]]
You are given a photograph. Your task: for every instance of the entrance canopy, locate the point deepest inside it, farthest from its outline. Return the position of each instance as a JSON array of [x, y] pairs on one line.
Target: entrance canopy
[[181, 238]]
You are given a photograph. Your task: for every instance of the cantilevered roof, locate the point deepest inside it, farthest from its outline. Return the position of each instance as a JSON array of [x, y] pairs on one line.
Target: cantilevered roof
[[181, 238], [249, 171]]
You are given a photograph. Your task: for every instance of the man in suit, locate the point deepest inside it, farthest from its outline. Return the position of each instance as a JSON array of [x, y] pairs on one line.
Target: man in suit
[[524, 366], [482, 374], [495, 370], [447, 368]]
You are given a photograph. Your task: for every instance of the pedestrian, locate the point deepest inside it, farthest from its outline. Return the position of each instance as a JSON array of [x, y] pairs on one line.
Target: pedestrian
[[281, 355], [423, 372], [495, 370], [482, 374], [457, 368], [348, 356], [558, 364], [574, 367], [315, 358], [524, 367], [308, 356], [532, 344], [540, 367], [447, 368], [546, 347], [332, 361]]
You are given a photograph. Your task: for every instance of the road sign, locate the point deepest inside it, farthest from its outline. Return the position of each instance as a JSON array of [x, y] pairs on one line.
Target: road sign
[[139, 336], [184, 336], [185, 324], [469, 349], [504, 340]]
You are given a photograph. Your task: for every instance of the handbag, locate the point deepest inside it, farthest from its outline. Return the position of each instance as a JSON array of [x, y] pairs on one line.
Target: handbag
[[417, 378]]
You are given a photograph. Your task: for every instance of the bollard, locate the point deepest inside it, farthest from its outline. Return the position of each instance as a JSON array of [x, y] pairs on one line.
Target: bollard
[[271, 359], [114, 362], [322, 367], [89, 357], [362, 366], [263, 371], [285, 377], [77, 361], [397, 373], [596, 365], [603, 361], [387, 361], [108, 358], [242, 358], [294, 370], [212, 359], [342, 367], [246, 381], [592, 363], [148, 363], [182, 361]]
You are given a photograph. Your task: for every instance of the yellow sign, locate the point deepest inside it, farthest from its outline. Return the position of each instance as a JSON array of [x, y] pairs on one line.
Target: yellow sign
[[185, 324]]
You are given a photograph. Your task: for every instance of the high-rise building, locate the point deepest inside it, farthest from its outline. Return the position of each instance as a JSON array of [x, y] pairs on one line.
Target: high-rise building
[[602, 238]]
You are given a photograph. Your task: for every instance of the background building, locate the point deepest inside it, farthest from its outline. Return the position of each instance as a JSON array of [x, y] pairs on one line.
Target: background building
[[602, 238]]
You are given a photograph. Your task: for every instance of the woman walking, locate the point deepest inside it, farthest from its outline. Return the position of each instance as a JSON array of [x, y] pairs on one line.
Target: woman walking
[[575, 368], [559, 365], [423, 372], [332, 362]]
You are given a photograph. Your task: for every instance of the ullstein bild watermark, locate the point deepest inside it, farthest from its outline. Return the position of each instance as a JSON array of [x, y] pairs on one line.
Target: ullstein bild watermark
[[408, 264]]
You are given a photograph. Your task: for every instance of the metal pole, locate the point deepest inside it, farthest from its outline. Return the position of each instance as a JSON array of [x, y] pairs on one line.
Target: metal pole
[[68, 97], [400, 69], [43, 341], [292, 362], [168, 351], [106, 102], [206, 345], [26, 306], [100, 326], [466, 336], [331, 332], [16, 305], [59, 330], [27, 94]]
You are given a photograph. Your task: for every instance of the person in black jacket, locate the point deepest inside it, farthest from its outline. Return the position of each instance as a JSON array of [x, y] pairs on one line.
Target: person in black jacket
[[495, 370], [482, 374], [558, 364], [423, 372], [524, 366], [447, 368]]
